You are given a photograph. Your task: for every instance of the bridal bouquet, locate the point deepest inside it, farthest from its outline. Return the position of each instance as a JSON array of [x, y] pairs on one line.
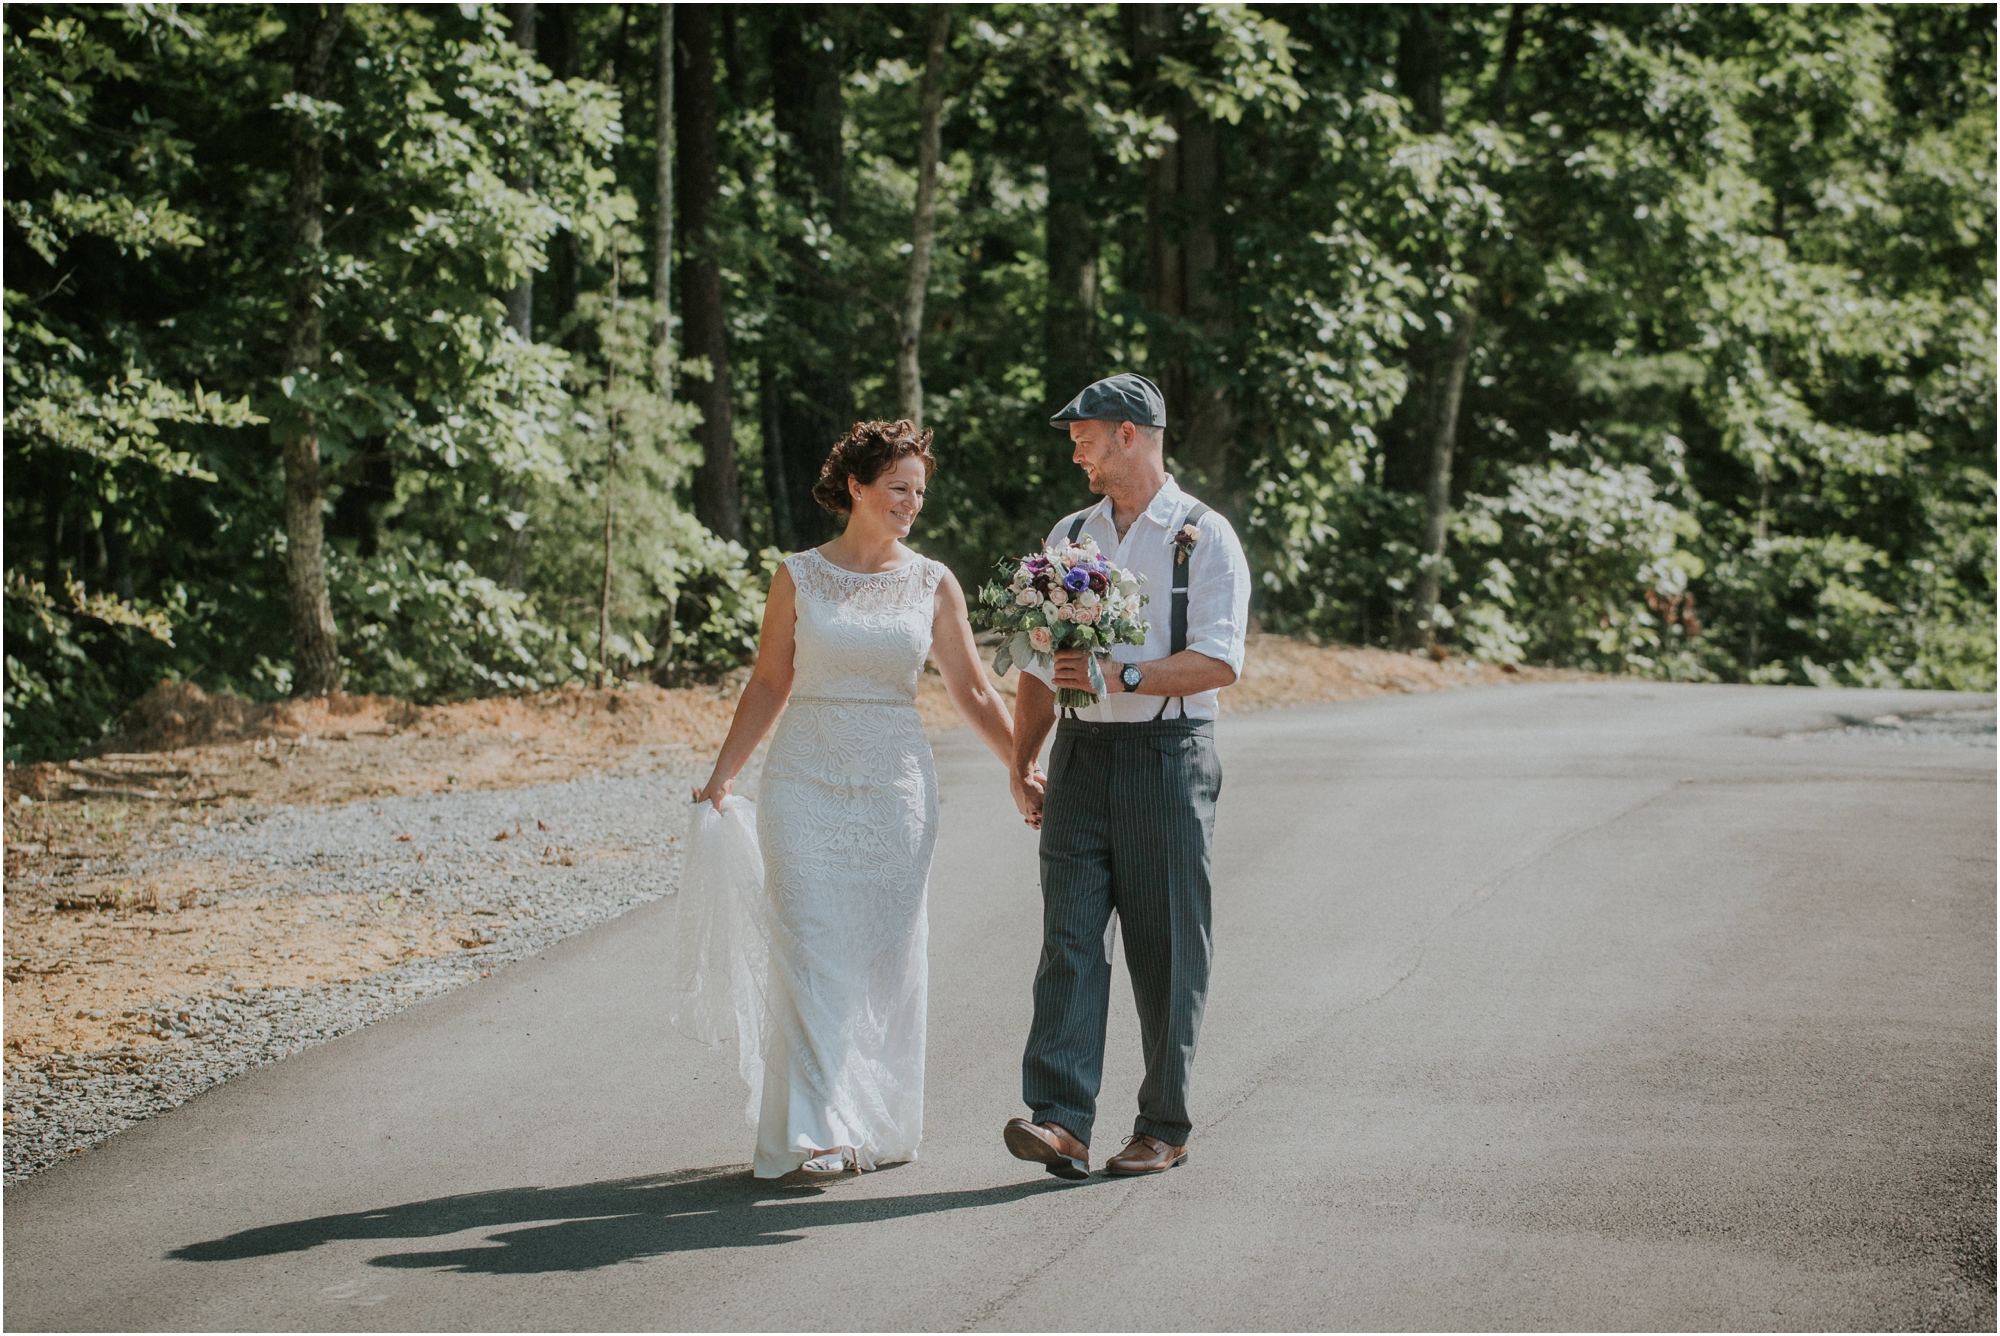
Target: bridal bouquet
[[1068, 597]]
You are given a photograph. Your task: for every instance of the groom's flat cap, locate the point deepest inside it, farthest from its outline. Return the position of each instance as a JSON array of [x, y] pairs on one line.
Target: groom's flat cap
[[1125, 397]]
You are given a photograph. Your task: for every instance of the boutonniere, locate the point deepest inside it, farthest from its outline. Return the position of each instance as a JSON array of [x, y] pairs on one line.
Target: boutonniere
[[1184, 542]]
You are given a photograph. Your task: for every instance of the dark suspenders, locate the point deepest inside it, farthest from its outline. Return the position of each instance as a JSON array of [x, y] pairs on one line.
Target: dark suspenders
[[1177, 618], [1181, 567]]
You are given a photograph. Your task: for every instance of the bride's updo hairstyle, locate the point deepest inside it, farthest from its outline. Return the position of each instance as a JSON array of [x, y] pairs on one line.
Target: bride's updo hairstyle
[[869, 450]]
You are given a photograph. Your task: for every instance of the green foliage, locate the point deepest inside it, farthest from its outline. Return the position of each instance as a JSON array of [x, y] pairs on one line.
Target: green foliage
[[428, 629], [1557, 559], [57, 694], [147, 264], [1729, 412], [1722, 248], [720, 605], [681, 601]]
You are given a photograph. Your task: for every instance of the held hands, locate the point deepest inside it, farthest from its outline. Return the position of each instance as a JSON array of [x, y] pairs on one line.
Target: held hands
[[1030, 791]]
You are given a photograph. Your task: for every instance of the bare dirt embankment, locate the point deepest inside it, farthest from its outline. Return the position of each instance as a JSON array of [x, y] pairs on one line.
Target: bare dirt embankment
[[103, 918]]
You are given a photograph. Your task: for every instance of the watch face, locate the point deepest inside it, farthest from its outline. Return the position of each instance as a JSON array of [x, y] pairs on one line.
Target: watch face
[[1130, 676]]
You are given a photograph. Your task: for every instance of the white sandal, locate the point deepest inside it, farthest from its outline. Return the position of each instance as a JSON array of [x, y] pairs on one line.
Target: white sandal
[[828, 1164]]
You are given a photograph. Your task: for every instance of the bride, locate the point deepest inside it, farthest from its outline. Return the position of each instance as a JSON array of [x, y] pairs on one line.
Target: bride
[[849, 810]]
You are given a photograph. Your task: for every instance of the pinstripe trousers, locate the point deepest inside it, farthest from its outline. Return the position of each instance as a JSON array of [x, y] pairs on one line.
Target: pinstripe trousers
[[1128, 825]]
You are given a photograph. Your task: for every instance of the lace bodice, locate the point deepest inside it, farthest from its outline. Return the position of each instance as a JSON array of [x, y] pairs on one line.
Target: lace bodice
[[861, 637]]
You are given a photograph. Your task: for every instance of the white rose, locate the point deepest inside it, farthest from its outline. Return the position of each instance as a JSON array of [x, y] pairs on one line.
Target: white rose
[[1087, 599], [1132, 608], [1028, 597]]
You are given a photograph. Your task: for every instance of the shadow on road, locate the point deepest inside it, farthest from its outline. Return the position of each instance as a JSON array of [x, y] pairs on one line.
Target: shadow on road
[[591, 1225]]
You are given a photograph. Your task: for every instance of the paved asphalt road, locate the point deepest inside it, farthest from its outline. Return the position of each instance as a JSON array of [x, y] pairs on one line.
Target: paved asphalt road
[[1563, 1006]]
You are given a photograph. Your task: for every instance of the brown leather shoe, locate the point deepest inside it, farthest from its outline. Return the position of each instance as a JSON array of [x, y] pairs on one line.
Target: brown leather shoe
[[1047, 1144], [1144, 1155]]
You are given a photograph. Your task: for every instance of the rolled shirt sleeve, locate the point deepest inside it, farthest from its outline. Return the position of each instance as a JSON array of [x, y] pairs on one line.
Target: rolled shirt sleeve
[[1218, 593]]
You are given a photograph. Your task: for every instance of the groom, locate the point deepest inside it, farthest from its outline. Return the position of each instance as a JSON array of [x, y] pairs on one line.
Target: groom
[[1129, 811]]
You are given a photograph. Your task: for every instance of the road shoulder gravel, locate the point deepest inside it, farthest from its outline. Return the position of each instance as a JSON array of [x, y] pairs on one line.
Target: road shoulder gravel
[[578, 854]]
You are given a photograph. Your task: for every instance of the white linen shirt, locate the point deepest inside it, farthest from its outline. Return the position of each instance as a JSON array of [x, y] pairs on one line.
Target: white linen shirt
[[1218, 598]]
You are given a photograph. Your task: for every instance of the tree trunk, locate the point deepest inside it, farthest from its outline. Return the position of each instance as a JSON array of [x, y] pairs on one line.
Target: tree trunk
[[808, 103], [1510, 55], [910, 320], [610, 476], [315, 640], [119, 560], [555, 34], [1407, 445], [604, 590], [1410, 460], [367, 487], [1443, 436], [777, 495], [663, 208], [716, 500], [1440, 377], [1184, 263], [1420, 67], [555, 41], [1070, 242], [54, 493], [1204, 437], [810, 343], [784, 529], [521, 300], [1754, 651], [736, 81]]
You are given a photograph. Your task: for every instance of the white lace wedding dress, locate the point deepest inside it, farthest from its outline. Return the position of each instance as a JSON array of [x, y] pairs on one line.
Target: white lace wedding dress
[[847, 820]]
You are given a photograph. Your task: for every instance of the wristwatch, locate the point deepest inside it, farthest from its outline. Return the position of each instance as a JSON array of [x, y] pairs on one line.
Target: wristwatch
[[1131, 676]]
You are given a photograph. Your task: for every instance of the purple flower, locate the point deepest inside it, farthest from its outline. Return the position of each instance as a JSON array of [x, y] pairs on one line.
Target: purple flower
[[1077, 581]]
